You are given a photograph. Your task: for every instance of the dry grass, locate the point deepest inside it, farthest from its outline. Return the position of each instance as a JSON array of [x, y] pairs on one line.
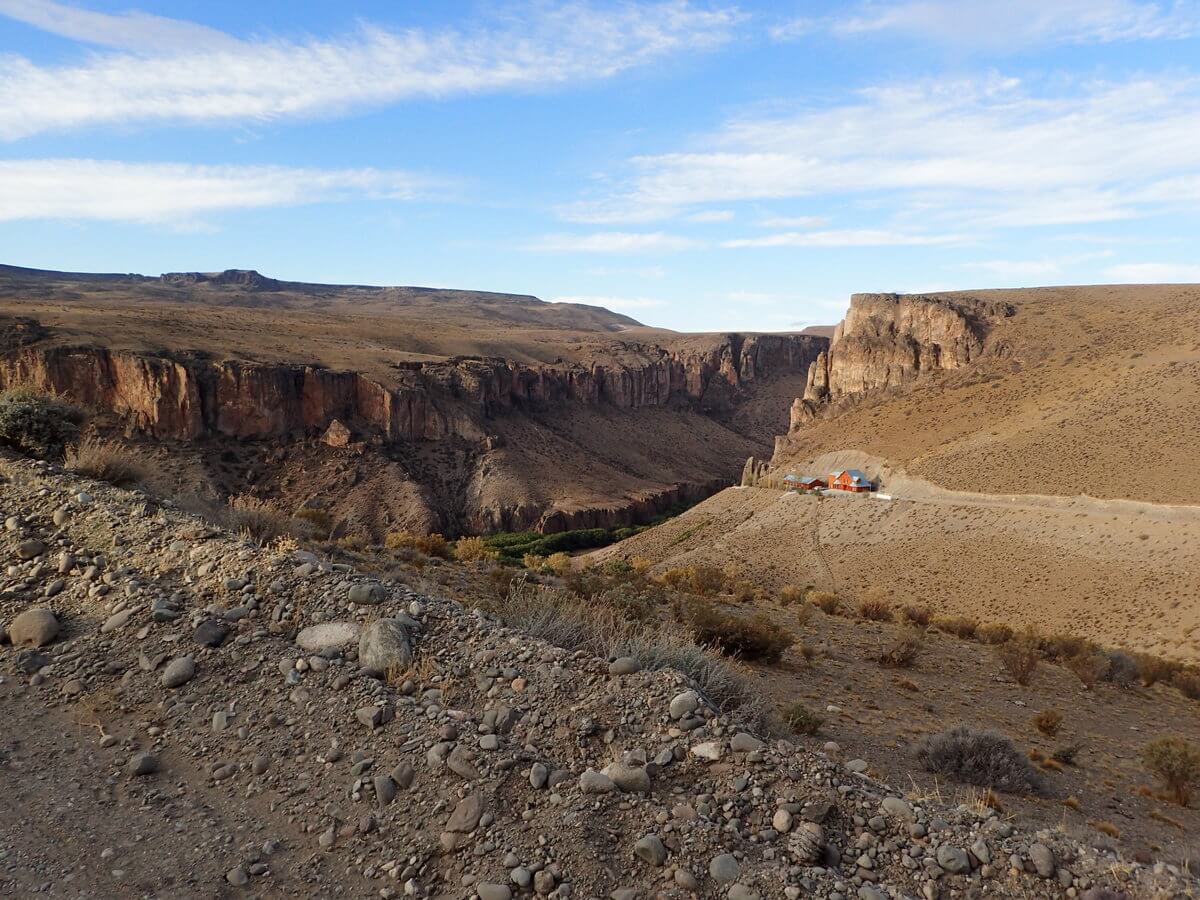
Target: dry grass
[[875, 609], [791, 594], [1106, 827], [256, 519], [799, 719], [993, 633], [902, 653], [1176, 763], [920, 616], [1020, 659], [1048, 722], [110, 461], [1089, 667], [429, 544], [474, 549], [826, 601], [959, 626]]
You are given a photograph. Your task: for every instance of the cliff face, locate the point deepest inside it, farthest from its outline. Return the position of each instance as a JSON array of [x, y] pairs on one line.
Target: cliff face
[[887, 339], [185, 397]]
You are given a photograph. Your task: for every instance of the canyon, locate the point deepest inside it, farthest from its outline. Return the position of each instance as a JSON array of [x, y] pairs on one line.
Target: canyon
[[470, 440]]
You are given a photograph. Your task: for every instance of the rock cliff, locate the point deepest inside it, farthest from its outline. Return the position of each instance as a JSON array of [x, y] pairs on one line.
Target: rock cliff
[[888, 339]]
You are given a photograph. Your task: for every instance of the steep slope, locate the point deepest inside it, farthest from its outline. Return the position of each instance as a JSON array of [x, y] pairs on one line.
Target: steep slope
[[444, 409]]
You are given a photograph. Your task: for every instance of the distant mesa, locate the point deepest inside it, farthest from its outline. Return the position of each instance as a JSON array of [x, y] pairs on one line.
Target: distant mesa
[[244, 278]]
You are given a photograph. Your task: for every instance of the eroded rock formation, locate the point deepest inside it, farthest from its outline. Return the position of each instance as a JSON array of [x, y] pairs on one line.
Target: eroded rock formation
[[888, 339]]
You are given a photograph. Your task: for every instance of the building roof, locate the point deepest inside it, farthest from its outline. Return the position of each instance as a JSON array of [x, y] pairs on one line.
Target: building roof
[[856, 475], [809, 479], [792, 478]]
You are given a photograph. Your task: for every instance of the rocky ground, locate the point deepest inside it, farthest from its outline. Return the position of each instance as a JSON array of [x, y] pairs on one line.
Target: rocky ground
[[189, 715]]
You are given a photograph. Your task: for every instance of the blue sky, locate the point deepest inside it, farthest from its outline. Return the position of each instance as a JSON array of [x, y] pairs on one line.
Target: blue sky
[[701, 166]]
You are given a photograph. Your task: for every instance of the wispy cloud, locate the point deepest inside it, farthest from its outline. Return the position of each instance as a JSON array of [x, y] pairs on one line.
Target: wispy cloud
[[1010, 26], [612, 242], [711, 216], [1047, 267], [854, 237], [179, 193], [989, 152], [128, 30], [1149, 273], [791, 222], [234, 80]]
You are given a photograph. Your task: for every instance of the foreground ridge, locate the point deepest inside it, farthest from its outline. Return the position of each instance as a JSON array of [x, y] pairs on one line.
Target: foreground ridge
[[191, 715]]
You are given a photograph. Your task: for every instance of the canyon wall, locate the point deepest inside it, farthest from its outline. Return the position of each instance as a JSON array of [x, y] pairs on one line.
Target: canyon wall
[[888, 339], [185, 397]]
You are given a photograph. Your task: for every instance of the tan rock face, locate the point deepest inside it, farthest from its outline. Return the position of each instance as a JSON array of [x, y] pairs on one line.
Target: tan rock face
[[186, 397], [887, 339]]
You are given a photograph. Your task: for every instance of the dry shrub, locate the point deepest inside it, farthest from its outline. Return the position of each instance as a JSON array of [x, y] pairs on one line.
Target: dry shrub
[[109, 461], [919, 616], [1153, 669], [909, 685], [640, 566], [791, 594], [875, 609], [826, 601], [799, 719], [429, 544], [1072, 803], [534, 562], [982, 758], [752, 638], [743, 592], [1020, 659], [1048, 722], [677, 578], [1105, 827], [256, 518], [1188, 684], [1065, 646], [1066, 753], [994, 633], [38, 422], [353, 542], [474, 549], [1089, 668], [902, 653], [559, 563], [567, 620], [707, 580], [1176, 763], [806, 652], [959, 626], [317, 521]]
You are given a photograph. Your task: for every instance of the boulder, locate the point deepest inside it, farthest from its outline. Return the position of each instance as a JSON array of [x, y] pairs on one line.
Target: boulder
[[384, 645], [328, 636], [33, 628]]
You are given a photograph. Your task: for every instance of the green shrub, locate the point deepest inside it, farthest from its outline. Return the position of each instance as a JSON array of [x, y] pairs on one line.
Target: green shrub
[[38, 423], [1176, 763], [982, 758], [799, 719]]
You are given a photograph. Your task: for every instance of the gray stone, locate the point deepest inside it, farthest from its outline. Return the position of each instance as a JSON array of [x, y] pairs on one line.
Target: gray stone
[[745, 743], [384, 646], [30, 548], [629, 779], [651, 849], [593, 782], [142, 764], [490, 891], [724, 868], [626, 665], [211, 633], [684, 704], [328, 636], [237, 877], [117, 620], [385, 789], [953, 859], [366, 594], [742, 892], [466, 815], [1043, 861], [897, 808], [34, 628], [179, 672]]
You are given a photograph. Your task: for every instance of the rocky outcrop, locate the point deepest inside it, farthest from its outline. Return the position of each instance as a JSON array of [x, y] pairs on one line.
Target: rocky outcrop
[[888, 339], [184, 396]]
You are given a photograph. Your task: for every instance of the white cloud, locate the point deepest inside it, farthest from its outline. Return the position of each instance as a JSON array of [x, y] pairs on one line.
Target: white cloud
[[612, 242], [862, 237], [712, 215], [260, 80], [988, 152], [791, 222], [1151, 273], [1033, 268], [614, 303], [178, 193], [1012, 25], [131, 30]]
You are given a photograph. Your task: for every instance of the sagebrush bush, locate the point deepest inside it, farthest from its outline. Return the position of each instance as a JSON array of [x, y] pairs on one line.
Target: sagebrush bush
[[1188, 684], [959, 626], [474, 549], [1176, 763], [920, 616], [799, 719], [875, 609], [38, 423], [559, 563], [1153, 669], [744, 592], [790, 594], [109, 461], [993, 633], [753, 638], [256, 518], [1020, 659], [707, 580], [1089, 667], [1048, 721], [982, 758], [429, 544], [826, 601], [902, 653]]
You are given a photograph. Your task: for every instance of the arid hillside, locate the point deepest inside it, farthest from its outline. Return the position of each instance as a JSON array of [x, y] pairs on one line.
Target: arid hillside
[[1065, 391], [431, 409]]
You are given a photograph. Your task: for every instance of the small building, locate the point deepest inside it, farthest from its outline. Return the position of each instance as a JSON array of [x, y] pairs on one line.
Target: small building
[[802, 483], [852, 480]]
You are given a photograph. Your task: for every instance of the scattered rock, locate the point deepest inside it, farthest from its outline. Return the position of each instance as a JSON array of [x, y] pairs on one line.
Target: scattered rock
[[33, 628], [179, 672], [384, 646]]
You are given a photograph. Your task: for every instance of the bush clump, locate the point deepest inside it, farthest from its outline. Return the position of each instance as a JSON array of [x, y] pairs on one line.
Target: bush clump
[[875, 609], [959, 626], [474, 549], [108, 461], [429, 544], [902, 653], [799, 719], [753, 638], [826, 601], [1020, 659], [1176, 763], [791, 594], [1089, 667], [38, 423], [994, 633], [256, 519], [920, 616], [1048, 721], [982, 758]]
